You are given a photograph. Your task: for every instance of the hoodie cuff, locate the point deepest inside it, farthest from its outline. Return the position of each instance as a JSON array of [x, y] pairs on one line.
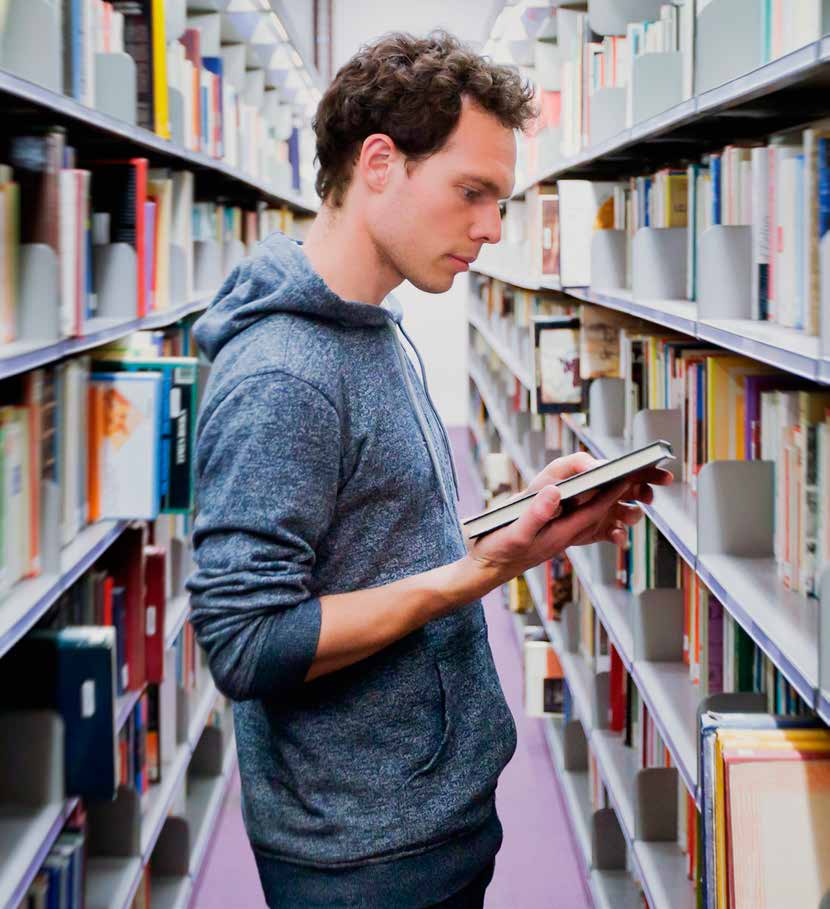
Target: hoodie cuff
[[288, 649]]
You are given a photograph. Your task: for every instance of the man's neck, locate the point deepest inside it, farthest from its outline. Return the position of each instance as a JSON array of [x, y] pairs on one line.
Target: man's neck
[[342, 252]]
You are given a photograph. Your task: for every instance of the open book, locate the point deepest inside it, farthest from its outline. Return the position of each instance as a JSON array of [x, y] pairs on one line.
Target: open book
[[602, 475]]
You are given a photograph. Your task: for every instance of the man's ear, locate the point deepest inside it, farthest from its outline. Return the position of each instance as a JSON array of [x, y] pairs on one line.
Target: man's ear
[[378, 155]]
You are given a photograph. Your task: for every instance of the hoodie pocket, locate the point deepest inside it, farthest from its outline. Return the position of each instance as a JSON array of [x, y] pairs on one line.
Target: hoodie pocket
[[479, 735]]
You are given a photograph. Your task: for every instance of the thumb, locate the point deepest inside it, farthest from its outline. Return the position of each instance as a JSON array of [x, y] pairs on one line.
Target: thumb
[[545, 506]]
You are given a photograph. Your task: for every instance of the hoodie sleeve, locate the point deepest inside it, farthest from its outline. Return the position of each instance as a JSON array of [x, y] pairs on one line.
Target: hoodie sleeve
[[267, 479]]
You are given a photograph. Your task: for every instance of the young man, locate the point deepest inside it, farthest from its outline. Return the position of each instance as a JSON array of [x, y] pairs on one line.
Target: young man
[[335, 594]]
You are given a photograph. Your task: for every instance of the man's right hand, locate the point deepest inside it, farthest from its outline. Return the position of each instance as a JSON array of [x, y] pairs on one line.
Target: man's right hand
[[540, 533]]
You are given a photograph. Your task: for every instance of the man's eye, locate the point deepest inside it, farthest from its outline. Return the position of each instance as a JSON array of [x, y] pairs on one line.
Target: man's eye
[[470, 194], [502, 209]]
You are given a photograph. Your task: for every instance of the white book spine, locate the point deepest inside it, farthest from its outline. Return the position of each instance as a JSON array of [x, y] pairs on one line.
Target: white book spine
[[68, 252], [760, 230]]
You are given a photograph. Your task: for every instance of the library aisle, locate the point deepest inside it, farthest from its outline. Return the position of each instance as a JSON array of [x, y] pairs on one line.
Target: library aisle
[[538, 857]]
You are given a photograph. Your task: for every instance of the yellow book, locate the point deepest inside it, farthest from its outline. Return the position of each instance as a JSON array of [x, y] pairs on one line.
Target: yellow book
[[677, 189], [752, 740], [160, 100], [723, 410]]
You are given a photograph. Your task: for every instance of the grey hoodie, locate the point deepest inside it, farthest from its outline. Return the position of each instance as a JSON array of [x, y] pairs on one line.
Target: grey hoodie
[[322, 467]]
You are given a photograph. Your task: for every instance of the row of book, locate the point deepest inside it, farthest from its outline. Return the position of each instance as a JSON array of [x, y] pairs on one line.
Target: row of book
[[742, 668], [777, 189], [225, 110], [60, 882], [63, 880], [79, 209], [102, 639], [729, 407], [228, 113], [570, 71], [113, 434]]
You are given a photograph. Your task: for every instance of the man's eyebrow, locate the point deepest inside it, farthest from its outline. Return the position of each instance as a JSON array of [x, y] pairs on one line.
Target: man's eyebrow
[[489, 185]]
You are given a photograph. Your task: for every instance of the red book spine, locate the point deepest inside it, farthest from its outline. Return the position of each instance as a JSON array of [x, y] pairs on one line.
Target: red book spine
[[108, 585], [616, 683], [154, 562], [140, 165]]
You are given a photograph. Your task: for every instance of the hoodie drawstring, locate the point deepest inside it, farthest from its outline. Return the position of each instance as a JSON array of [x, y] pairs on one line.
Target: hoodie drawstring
[[394, 312], [434, 411]]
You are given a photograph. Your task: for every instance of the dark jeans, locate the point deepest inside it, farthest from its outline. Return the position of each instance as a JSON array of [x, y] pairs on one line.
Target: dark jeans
[[472, 896]]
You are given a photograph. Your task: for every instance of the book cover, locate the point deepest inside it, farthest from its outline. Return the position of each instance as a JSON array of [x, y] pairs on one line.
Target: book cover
[[129, 456], [179, 412], [557, 386], [71, 671]]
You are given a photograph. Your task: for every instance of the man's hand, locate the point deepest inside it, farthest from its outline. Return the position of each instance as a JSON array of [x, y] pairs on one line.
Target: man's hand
[[539, 534]]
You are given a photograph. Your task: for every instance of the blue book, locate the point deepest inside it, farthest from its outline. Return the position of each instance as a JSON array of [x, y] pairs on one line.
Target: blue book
[[715, 169], [823, 187], [71, 671], [214, 65]]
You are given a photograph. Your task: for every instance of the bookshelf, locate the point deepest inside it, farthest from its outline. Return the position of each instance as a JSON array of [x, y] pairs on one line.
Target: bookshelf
[[159, 834], [720, 524], [92, 125], [754, 104]]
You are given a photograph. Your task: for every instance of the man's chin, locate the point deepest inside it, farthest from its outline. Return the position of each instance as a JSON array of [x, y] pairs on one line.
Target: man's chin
[[434, 284]]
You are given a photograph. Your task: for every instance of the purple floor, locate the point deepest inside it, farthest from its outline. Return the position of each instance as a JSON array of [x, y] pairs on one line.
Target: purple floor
[[537, 867]]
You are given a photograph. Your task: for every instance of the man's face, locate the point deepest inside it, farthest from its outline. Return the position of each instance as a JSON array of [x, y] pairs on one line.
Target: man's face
[[433, 217]]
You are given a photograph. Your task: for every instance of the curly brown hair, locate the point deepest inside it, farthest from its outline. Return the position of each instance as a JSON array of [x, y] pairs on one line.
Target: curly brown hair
[[410, 89]]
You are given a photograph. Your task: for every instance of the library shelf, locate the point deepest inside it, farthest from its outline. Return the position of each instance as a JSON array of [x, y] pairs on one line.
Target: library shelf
[[618, 768], [27, 833], [575, 788], [581, 682], [755, 104], [782, 623], [785, 348], [22, 356], [112, 882], [614, 890], [28, 600], [156, 804], [665, 687], [204, 704], [130, 139], [174, 618], [672, 701], [679, 315], [517, 277], [611, 603], [506, 355], [662, 867], [788, 349], [205, 797], [170, 891], [508, 441]]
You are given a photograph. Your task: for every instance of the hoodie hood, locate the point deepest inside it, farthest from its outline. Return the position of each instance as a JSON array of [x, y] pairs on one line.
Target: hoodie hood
[[278, 278]]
